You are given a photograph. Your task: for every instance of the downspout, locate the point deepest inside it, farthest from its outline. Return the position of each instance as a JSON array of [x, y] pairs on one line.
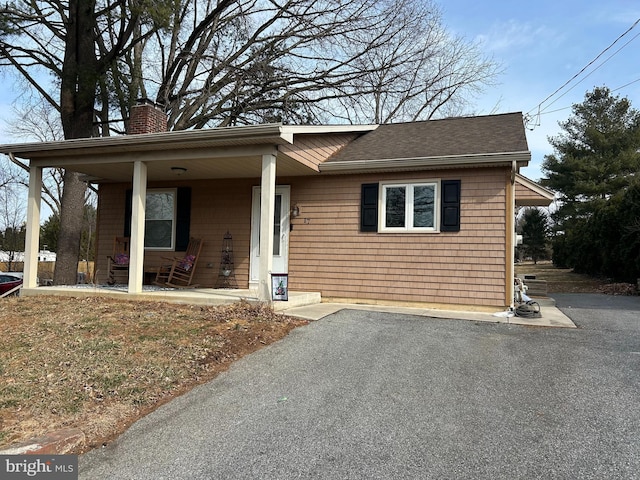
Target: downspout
[[510, 233]]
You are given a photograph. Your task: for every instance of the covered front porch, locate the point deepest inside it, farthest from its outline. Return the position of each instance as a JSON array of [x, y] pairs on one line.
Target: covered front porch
[[233, 159]]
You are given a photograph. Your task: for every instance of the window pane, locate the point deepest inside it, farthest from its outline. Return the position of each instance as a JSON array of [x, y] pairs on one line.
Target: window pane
[[159, 214], [423, 206], [158, 233], [395, 207], [160, 206]]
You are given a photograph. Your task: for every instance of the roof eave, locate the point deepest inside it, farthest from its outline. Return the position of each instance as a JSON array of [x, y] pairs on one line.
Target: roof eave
[[269, 133], [387, 164], [273, 133]]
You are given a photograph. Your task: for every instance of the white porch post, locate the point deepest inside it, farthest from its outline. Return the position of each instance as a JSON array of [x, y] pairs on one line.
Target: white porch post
[[267, 211], [32, 240], [136, 247]]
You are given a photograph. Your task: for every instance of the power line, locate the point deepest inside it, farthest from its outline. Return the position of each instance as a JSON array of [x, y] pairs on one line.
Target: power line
[[626, 85], [528, 116], [592, 71], [545, 112]]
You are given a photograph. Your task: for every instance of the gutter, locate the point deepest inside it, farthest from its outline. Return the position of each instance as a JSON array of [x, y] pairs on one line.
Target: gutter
[[472, 160], [147, 141], [273, 133]]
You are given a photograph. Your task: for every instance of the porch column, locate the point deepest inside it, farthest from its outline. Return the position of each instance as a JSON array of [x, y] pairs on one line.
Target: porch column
[[267, 211], [136, 247], [31, 244]]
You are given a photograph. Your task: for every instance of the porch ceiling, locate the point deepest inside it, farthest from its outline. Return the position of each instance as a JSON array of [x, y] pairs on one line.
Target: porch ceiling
[[245, 166]]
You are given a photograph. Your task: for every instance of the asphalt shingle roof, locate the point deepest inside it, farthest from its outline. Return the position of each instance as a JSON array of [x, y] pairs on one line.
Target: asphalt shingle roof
[[437, 138]]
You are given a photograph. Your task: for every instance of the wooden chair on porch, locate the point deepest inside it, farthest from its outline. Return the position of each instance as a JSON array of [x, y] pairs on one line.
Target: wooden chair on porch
[[118, 262], [179, 273]]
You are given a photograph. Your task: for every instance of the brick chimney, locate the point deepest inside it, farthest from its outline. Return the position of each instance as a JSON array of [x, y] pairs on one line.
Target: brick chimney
[[147, 117]]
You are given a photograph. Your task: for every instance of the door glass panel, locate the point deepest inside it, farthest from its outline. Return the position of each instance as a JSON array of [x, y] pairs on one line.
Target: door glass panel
[[277, 225]]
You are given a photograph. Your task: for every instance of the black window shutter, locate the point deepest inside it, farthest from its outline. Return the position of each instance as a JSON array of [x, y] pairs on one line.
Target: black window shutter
[[183, 218], [127, 212], [369, 207], [450, 206]]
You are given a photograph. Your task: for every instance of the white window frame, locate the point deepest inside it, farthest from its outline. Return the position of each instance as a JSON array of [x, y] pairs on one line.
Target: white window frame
[[174, 193], [409, 185]]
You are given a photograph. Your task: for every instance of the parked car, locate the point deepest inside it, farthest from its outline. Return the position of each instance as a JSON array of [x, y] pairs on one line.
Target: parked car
[[8, 282]]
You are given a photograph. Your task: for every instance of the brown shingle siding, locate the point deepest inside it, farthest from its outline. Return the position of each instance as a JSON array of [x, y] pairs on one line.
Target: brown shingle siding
[[329, 254], [332, 256]]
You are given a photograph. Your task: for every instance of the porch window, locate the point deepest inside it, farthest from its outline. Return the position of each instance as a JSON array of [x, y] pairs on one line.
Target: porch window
[[160, 220], [409, 207]]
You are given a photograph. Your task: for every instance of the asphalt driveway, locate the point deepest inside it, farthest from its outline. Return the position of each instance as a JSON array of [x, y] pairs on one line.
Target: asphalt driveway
[[367, 395]]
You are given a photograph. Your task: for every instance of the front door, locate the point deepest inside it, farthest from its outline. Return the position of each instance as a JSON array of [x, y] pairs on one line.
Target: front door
[[280, 233]]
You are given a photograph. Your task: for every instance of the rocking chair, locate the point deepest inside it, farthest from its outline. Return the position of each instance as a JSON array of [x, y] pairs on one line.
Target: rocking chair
[[179, 273], [118, 263]]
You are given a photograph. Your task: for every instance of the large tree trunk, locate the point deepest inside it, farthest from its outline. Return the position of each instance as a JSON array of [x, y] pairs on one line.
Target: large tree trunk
[[77, 99], [71, 212]]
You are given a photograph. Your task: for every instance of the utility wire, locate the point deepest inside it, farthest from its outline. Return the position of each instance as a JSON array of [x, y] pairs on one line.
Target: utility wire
[[539, 106], [545, 112], [592, 71]]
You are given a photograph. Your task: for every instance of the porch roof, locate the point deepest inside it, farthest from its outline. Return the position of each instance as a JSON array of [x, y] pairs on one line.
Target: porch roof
[[224, 152]]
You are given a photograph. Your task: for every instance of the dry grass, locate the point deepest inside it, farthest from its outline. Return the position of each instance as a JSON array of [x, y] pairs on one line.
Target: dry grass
[[564, 280], [99, 364]]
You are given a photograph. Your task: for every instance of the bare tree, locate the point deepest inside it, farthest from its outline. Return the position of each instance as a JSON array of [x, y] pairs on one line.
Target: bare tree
[[66, 39], [419, 72], [302, 61], [36, 119]]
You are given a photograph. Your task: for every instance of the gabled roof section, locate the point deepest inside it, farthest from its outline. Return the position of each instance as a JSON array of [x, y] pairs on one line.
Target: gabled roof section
[[531, 194], [461, 141]]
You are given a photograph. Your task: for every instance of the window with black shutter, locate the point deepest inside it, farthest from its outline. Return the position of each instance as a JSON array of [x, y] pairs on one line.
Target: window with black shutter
[[410, 206]]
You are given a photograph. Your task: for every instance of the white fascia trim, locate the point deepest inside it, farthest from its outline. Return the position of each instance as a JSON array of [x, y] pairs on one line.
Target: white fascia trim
[[150, 139], [422, 162], [295, 129], [536, 187], [287, 132], [267, 133]]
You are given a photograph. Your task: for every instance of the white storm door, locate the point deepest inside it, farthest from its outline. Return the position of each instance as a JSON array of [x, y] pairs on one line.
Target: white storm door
[[280, 232]]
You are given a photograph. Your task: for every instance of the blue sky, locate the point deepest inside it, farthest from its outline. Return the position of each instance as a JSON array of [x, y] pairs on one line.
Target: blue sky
[[540, 45], [543, 44]]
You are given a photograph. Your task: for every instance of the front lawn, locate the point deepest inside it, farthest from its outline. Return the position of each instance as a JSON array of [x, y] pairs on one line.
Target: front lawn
[[98, 364]]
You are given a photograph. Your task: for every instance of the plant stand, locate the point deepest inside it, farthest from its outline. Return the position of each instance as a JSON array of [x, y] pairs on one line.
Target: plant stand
[[226, 274]]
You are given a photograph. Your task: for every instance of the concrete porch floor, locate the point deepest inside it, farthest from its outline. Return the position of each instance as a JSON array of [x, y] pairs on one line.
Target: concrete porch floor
[[198, 296]]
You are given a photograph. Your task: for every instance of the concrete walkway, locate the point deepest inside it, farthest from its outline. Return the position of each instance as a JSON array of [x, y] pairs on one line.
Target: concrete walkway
[[551, 315], [301, 304]]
